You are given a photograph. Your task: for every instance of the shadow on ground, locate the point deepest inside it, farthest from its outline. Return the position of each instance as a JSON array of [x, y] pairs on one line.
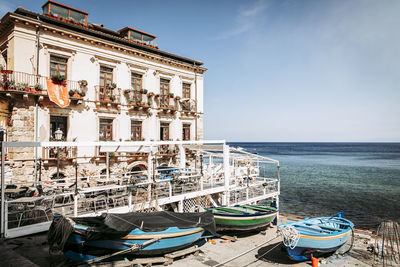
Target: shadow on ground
[[274, 253]]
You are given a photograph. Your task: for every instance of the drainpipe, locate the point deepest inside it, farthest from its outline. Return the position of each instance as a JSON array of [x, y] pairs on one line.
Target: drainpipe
[[195, 99], [36, 100]]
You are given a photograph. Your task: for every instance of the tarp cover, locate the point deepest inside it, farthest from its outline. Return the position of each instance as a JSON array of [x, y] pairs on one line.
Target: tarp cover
[[114, 225]]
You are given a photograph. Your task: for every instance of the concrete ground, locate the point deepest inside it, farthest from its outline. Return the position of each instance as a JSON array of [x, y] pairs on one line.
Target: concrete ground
[[33, 251]]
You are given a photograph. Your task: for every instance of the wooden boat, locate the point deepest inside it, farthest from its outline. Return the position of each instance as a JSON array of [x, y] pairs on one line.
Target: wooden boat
[[315, 236], [246, 217], [91, 239]]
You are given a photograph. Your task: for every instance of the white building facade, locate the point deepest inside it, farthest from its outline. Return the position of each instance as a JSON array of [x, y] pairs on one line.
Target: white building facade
[[129, 89]]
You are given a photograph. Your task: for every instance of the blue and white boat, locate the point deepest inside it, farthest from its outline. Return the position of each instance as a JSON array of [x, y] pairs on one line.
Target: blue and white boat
[[154, 233], [312, 237]]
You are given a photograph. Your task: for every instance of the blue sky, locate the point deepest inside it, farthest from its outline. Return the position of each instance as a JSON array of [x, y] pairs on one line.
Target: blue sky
[[284, 70]]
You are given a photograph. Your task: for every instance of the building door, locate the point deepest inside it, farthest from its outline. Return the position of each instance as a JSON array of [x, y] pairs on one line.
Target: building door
[[164, 131], [136, 130], [164, 91], [186, 132], [106, 130], [106, 78], [58, 122]]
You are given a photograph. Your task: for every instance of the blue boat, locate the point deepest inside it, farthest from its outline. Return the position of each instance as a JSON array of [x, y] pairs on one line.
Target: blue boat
[[316, 236], [133, 234]]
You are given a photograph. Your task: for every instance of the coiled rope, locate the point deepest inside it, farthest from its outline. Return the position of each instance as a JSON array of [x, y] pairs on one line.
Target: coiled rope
[[58, 234], [290, 236]]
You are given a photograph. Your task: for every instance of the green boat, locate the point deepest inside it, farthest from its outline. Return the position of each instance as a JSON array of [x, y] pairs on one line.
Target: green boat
[[246, 217]]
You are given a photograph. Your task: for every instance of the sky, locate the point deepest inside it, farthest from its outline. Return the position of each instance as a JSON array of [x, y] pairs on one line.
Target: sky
[[278, 70]]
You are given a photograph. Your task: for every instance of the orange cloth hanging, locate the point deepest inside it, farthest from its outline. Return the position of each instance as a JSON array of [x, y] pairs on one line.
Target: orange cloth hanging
[[58, 93]]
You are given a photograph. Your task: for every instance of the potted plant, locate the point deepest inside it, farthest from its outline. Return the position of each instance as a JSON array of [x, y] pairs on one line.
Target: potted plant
[[143, 91], [157, 95], [111, 97], [82, 93], [177, 98], [171, 95], [112, 85], [10, 84], [76, 94], [20, 87], [127, 91], [71, 92], [58, 78], [83, 83], [151, 94], [38, 88]]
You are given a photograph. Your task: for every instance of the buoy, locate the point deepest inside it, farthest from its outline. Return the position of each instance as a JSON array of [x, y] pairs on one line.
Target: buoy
[[314, 262]]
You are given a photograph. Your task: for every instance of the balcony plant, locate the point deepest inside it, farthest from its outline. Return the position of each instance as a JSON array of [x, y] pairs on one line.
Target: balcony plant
[[38, 87], [177, 98], [157, 95], [143, 91], [83, 83], [58, 78], [111, 85], [151, 94], [20, 86], [171, 95]]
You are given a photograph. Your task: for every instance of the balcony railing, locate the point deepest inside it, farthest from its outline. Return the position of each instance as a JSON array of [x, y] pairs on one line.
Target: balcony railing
[[167, 103], [21, 81], [188, 105], [137, 98], [65, 153], [105, 94]]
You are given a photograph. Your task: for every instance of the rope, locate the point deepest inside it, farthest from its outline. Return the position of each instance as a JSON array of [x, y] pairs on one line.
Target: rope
[[262, 255], [245, 252], [290, 236]]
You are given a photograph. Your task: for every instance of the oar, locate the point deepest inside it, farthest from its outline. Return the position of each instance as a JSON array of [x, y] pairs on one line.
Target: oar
[[131, 249]]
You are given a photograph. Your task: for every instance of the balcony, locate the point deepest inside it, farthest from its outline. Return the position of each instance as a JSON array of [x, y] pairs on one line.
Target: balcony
[[14, 83], [106, 96], [188, 107], [65, 153], [138, 99], [167, 103]]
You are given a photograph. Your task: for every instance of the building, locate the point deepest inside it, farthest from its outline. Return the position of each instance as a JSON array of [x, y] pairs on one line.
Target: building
[[122, 87], [111, 124]]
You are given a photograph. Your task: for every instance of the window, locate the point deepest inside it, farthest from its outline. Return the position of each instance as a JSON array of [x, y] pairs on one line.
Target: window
[[164, 91], [186, 90], [164, 131], [105, 130], [186, 132], [58, 122], [136, 130], [58, 65], [136, 84], [106, 78]]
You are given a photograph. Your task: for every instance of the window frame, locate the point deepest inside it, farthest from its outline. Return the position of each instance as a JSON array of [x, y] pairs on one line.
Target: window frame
[[58, 63], [164, 126], [164, 91], [136, 126], [103, 123], [186, 90], [186, 132]]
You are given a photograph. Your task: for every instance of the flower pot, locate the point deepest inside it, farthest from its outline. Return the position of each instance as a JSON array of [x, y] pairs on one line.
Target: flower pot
[[107, 99], [27, 89], [76, 95]]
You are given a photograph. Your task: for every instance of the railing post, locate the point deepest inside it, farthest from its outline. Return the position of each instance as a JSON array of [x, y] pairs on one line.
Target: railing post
[[182, 156], [226, 173], [3, 211], [169, 189], [130, 200], [76, 205]]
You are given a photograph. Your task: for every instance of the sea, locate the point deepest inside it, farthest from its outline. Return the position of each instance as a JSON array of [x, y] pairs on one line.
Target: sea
[[321, 179]]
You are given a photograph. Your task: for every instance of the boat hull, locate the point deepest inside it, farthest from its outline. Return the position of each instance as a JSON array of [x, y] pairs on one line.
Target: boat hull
[[309, 245], [244, 222], [172, 239], [316, 236]]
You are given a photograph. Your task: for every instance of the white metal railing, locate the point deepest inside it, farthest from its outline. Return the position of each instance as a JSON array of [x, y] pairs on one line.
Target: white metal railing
[[129, 191]]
